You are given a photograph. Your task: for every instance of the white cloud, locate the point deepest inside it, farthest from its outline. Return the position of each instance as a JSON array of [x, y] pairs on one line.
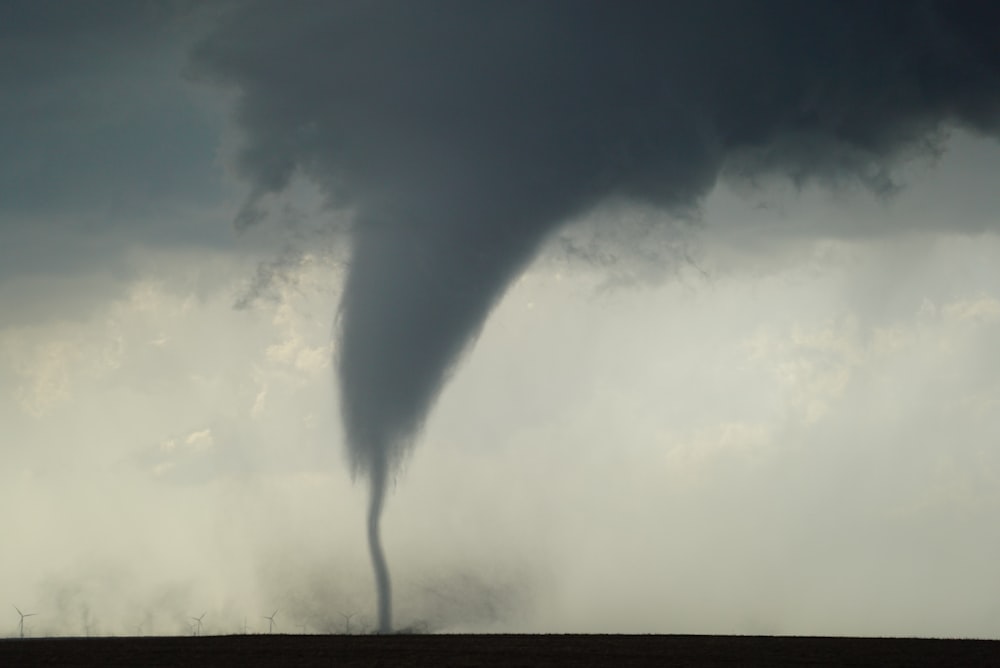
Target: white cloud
[[984, 308], [199, 440]]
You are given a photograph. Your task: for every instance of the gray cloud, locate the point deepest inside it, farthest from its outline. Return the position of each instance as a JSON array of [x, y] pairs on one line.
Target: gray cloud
[[104, 143], [461, 135]]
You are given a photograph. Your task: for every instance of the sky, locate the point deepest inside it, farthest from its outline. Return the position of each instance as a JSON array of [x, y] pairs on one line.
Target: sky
[[724, 373]]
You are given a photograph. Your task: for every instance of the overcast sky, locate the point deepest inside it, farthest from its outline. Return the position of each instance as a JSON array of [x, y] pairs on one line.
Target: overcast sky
[[761, 398]]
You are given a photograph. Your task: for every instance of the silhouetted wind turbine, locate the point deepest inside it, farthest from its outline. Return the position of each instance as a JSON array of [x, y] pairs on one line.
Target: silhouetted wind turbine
[[347, 622], [197, 624], [270, 628], [20, 626]]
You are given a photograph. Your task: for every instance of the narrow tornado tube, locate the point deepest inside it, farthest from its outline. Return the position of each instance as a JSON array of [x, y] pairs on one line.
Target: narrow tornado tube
[[383, 586]]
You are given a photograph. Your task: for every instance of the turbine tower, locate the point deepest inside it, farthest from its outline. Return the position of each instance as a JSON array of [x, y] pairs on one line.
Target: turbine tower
[[20, 626], [347, 622], [197, 623], [270, 628]]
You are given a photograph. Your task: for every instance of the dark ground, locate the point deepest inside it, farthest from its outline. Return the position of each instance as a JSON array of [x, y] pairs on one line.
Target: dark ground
[[496, 650]]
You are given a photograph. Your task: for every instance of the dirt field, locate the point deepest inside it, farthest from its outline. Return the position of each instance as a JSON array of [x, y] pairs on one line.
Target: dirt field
[[496, 650]]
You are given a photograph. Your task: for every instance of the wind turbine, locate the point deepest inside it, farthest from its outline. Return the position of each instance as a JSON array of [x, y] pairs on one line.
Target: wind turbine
[[20, 626], [270, 628], [347, 622], [197, 624]]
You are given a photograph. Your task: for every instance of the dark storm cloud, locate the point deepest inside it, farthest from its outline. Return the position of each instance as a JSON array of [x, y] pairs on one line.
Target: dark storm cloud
[[461, 134], [98, 130]]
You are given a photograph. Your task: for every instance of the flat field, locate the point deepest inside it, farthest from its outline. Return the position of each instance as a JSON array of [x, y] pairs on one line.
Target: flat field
[[470, 651]]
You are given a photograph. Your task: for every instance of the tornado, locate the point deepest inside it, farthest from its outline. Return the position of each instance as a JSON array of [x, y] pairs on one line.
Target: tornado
[[383, 585], [399, 340], [458, 136]]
